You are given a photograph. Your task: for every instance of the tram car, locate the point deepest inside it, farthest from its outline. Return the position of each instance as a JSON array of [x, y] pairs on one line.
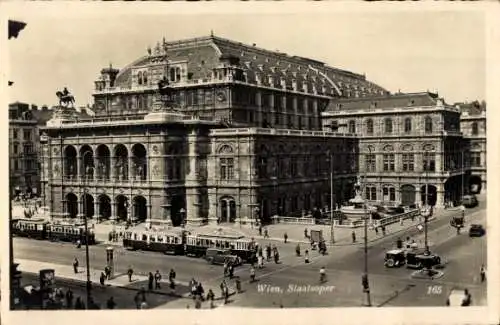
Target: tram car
[[30, 228], [197, 245], [167, 242], [70, 233], [45, 230]]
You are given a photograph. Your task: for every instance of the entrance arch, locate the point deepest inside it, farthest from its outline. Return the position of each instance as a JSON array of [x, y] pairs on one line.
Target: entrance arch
[[103, 162], [104, 207], [122, 206], [227, 209], [408, 195], [475, 184], [431, 197], [176, 204], [453, 190], [72, 205], [88, 205], [140, 208]]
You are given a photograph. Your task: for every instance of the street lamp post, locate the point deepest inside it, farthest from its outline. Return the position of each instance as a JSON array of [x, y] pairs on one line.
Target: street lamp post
[[332, 228], [87, 256], [425, 212], [182, 211], [366, 285]]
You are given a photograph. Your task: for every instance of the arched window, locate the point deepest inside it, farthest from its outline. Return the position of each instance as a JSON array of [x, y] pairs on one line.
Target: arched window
[[475, 129], [144, 78], [428, 124], [226, 164], [369, 126], [139, 78], [407, 125], [178, 74], [352, 126], [388, 125]]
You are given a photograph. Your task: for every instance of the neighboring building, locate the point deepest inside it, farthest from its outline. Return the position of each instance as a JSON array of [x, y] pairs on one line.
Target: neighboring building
[[239, 113], [473, 126], [24, 146], [408, 142], [23, 143]]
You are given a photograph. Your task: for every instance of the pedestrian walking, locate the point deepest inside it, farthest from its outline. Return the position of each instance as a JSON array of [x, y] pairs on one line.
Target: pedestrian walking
[[297, 250], [225, 268], [211, 297], [130, 272], [268, 251], [260, 230], [107, 272], [252, 275], [102, 278], [157, 279], [306, 256], [223, 286], [353, 235], [75, 265], [111, 304], [376, 230], [383, 230], [285, 237], [238, 285], [306, 235], [266, 233], [150, 281], [69, 299], [259, 251], [482, 272], [260, 262], [78, 243], [276, 257], [197, 302], [231, 271]]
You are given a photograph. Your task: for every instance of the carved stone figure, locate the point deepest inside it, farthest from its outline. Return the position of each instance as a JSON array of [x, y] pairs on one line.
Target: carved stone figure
[[65, 98]]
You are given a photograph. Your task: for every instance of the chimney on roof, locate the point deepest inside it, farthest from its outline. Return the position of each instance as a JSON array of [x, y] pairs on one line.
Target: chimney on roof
[[254, 44]]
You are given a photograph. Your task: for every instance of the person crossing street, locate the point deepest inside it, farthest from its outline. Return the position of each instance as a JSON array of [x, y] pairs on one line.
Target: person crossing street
[[157, 279], [252, 275]]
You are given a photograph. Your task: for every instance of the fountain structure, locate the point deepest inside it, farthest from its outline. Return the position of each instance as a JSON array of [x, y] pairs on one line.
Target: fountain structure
[[356, 210]]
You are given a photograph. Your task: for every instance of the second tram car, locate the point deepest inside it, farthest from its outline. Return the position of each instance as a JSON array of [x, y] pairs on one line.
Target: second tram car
[[157, 241]]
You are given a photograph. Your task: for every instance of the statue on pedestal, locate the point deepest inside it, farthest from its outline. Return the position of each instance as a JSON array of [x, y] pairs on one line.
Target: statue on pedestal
[[65, 98]]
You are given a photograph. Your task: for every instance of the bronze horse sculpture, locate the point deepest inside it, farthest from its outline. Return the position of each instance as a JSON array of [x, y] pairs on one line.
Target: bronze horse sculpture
[[65, 99]]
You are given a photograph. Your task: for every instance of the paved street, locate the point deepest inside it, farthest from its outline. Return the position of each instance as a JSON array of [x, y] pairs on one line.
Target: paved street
[[344, 264]]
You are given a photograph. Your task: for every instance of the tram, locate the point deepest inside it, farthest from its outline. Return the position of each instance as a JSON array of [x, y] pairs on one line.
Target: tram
[[185, 243], [45, 230], [167, 242]]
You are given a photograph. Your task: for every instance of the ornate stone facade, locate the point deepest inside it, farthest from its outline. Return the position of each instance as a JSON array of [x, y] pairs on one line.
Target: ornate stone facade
[[408, 142]]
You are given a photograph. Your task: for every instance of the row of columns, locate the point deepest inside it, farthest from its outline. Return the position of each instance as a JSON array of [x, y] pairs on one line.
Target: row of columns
[[115, 173]]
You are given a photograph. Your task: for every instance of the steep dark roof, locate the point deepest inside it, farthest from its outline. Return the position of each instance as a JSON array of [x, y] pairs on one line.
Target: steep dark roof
[[381, 102], [473, 108], [260, 65]]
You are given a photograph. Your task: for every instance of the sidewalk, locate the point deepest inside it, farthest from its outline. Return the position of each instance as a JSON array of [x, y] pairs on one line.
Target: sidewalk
[[119, 280]]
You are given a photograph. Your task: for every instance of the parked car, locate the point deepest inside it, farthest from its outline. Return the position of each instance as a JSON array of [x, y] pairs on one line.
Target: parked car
[[420, 260], [476, 230], [470, 201], [221, 256], [395, 258]]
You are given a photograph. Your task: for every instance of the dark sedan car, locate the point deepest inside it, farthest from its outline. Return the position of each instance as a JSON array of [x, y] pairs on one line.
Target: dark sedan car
[[476, 230]]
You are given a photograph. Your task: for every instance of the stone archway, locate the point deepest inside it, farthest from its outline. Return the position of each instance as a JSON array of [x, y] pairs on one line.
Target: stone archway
[[103, 162], [87, 165], [475, 184], [177, 203], [121, 164], [104, 207], [70, 162], [88, 205], [139, 162], [72, 205], [408, 195], [453, 190], [122, 208], [140, 211], [431, 197]]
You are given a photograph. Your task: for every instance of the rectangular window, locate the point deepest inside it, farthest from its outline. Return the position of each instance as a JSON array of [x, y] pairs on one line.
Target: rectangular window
[[475, 159], [389, 162], [27, 135], [16, 149], [373, 194], [14, 134], [16, 165], [370, 162], [392, 194], [227, 168], [429, 161], [408, 162]]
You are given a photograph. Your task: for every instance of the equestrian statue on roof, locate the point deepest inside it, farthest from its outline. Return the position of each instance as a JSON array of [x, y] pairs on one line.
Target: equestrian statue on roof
[[65, 98]]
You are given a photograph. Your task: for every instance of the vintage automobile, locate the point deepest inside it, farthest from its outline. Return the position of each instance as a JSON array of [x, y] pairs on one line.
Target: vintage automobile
[[476, 230], [222, 256], [469, 201], [395, 258], [421, 260]]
